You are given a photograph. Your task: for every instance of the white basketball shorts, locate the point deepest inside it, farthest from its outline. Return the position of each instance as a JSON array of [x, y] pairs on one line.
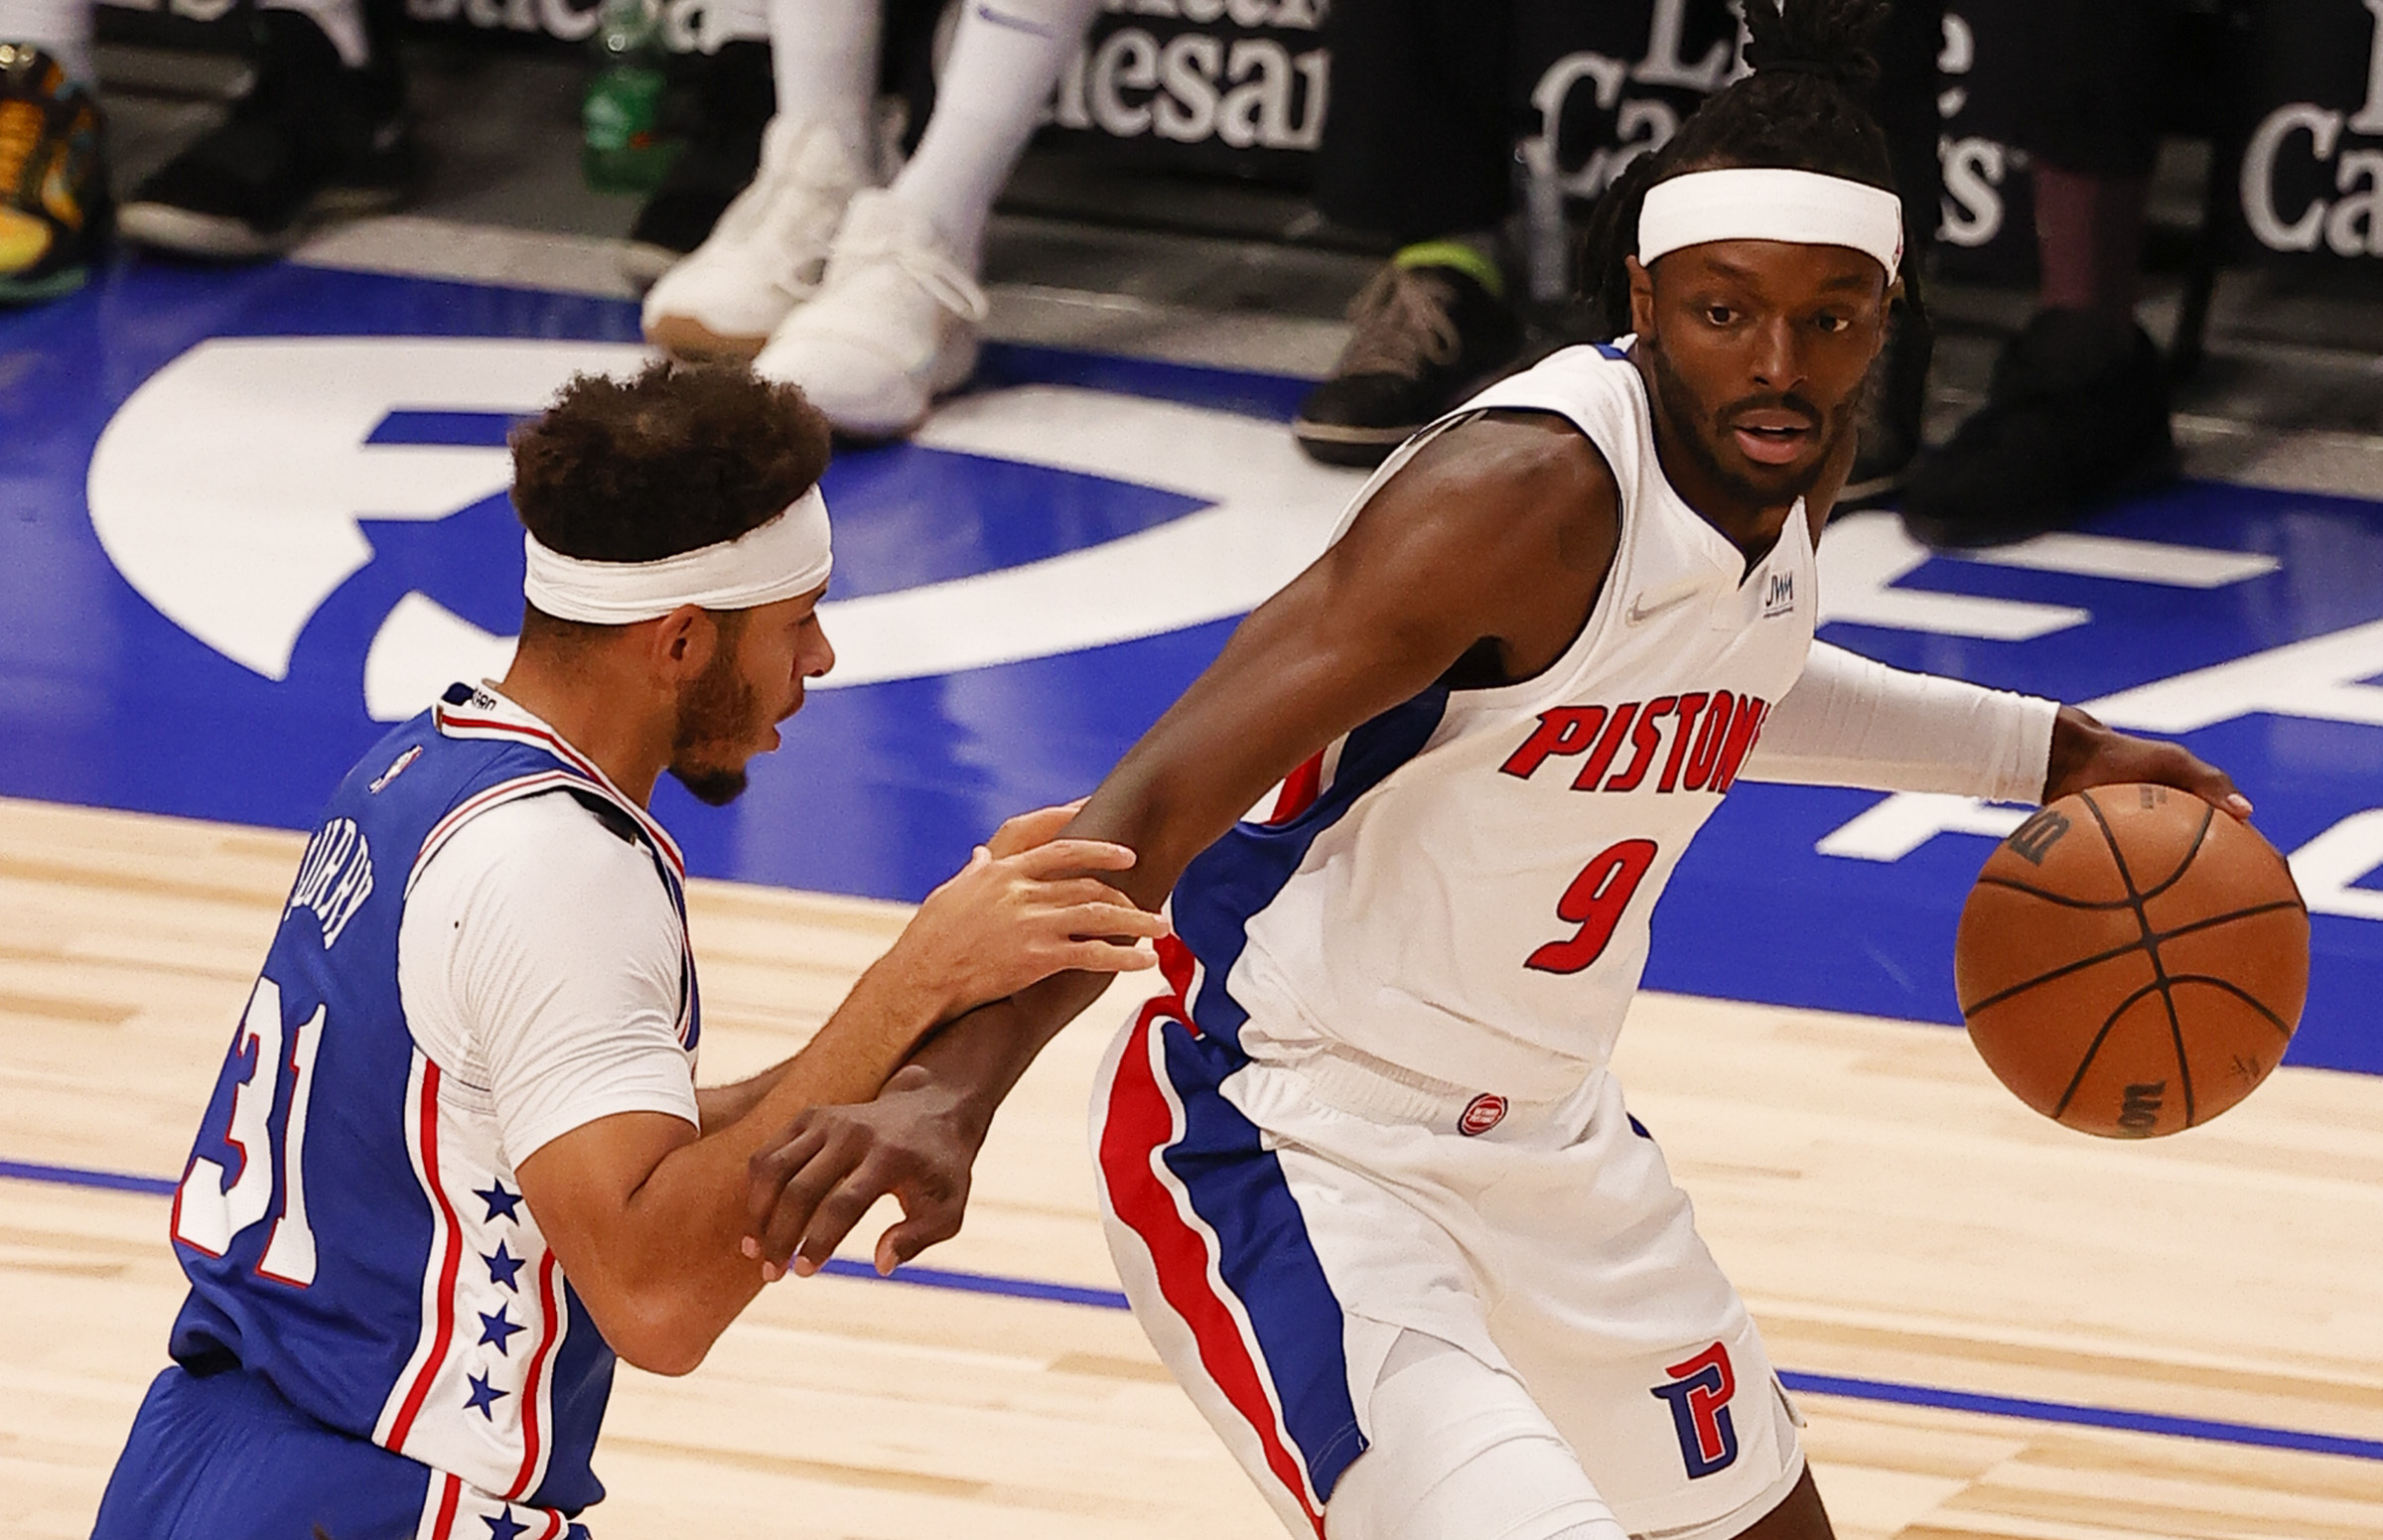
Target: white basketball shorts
[[1277, 1229]]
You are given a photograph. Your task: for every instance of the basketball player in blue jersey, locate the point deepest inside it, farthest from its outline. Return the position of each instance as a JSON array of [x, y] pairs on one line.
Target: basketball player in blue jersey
[[456, 1161]]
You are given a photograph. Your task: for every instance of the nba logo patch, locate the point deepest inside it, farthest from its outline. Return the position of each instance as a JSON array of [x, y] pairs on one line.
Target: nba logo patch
[[395, 770], [1778, 595], [1481, 1114]]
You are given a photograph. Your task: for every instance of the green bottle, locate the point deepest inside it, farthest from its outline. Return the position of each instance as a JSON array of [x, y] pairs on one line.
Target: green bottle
[[623, 150]]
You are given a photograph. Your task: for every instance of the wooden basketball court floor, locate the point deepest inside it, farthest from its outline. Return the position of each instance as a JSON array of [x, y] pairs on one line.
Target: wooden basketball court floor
[[1912, 1241]]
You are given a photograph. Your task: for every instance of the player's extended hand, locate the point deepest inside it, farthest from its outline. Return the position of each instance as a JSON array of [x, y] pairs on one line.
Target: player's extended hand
[[2086, 754], [915, 1141], [1028, 830], [1003, 922]]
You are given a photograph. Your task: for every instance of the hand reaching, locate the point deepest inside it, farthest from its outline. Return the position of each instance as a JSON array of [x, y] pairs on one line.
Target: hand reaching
[[1024, 907], [808, 1191], [2085, 754]]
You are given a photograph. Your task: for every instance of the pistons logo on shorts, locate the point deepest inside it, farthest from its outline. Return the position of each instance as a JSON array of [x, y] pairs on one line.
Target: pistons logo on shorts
[[1481, 1114], [1699, 1393]]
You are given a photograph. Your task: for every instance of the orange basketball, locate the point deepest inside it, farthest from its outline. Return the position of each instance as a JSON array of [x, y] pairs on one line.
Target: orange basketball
[[2132, 961]]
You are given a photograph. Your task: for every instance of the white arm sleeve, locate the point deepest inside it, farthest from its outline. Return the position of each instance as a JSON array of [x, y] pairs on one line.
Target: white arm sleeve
[[1854, 722], [538, 959]]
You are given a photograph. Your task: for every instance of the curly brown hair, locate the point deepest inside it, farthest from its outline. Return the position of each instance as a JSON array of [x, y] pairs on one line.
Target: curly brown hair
[[671, 461]]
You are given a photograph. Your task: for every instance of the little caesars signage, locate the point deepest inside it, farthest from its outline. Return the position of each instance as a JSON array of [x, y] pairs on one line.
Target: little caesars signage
[[1211, 84], [2312, 181]]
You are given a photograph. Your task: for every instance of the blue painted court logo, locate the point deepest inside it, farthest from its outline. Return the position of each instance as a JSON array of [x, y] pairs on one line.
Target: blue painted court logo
[[278, 522]]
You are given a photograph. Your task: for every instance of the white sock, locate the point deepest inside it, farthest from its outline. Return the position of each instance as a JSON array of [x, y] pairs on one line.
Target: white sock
[[342, 20], [59, 26], [1005, 59], [824, 55]]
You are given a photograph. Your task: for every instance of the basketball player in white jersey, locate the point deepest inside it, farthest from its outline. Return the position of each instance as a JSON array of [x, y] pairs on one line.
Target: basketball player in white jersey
[[456, 1161], [1368, 1180]]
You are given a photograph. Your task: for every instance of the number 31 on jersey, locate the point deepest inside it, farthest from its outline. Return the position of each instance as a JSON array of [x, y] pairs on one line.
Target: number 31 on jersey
[[267, 1133]]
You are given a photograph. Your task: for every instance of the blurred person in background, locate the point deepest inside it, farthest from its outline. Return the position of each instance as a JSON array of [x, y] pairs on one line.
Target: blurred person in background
[[2077, 410], [721, 99], [320, 130], [867, 297], [1428, 101]]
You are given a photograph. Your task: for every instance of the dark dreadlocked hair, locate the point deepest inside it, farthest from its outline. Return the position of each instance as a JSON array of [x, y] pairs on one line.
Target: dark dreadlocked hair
[[1800, 110]]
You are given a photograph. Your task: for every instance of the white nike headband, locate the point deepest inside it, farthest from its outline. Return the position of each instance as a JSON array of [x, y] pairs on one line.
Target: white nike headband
[[780, 559], [1771, 204]]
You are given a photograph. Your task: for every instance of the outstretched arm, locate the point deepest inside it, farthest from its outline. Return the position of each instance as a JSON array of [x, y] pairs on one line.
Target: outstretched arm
[[644, 1209], [1499, 535], [1851, 721]]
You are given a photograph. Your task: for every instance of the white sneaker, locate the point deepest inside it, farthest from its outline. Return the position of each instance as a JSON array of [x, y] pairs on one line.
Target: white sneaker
[[892, 327], [767, 253]]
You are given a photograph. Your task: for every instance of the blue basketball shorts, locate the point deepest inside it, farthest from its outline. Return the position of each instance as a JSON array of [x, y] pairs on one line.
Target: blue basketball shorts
[[223, 1456]]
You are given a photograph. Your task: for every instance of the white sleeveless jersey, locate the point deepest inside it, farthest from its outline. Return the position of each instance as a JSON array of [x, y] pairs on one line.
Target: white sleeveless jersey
[[1461, 888]]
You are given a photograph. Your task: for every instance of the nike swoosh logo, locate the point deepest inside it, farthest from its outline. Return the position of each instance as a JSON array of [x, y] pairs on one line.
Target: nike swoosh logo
[[1645, 607]]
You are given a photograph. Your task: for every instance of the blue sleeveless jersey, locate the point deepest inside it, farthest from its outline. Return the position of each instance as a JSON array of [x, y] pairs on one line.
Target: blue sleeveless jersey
[[349, 1222]]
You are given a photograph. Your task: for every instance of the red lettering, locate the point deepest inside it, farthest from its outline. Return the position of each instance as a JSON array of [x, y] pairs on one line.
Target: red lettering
[[1707, 752], [1690, 706], [1595, 903], [1643, 743], [1745, 724], [1588, 778], [1566, 730]]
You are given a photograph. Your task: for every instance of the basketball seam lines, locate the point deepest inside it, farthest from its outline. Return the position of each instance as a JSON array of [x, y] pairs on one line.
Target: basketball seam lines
[[2120, 951], [2095, 1047], [2239, 992], [2160, 979]]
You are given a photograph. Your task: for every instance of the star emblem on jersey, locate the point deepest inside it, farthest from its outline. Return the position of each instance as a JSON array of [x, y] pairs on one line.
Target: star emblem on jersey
[[504, 1526], [498, 1330], [500, 1203], [483, 1396], [503, 1265]]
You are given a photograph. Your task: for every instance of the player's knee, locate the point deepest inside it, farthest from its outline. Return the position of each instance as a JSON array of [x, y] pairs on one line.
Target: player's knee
[[1460, 1452]]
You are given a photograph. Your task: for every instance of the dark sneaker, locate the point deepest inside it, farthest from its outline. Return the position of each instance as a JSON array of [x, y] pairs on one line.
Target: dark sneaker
[[1426, 335], [1895, 405], [2076, 413], [54, 213], [312, 140], [720, 106]]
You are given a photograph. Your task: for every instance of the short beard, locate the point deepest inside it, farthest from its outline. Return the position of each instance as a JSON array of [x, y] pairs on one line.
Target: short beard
[[1687, 413], [718, 706]]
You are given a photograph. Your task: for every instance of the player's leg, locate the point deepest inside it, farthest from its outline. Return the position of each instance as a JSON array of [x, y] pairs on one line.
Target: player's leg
[[1219, 1259], [2077, 410], [895, 322], [728, 82], [1460, 1452], [770, 247], [53, 202], [321, 132], [222, 1454], [1271, 1245], [1638, 1347]]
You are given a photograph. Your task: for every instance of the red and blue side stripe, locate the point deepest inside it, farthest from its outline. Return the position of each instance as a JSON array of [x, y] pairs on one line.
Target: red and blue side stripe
[[1234, 879], [1189, 1175]]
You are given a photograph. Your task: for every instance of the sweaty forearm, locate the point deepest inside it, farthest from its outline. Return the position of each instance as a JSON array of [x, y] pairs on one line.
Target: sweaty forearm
[[1854, 722]]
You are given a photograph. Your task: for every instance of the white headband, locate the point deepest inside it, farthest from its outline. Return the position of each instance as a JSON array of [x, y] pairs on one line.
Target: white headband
[[785, 557], [1769, 204]]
